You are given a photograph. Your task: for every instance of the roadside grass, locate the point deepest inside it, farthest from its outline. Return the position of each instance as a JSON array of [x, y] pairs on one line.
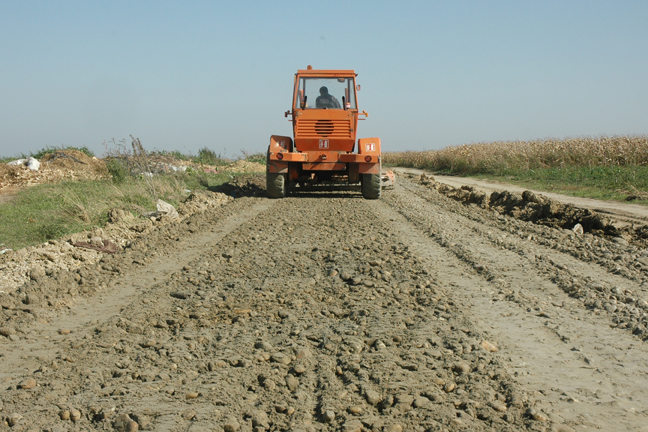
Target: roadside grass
[[620, 183], [49, 211], [138, 178], [614, 168]]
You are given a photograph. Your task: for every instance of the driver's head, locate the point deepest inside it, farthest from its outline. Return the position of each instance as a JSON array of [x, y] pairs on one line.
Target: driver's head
[[323, 91]]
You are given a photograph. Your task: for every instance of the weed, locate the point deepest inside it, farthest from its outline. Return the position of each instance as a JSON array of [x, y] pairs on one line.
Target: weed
[[209, 157], [604, 167]]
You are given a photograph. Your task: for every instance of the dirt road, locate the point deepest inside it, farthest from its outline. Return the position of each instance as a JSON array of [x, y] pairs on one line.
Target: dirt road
[[330, 312]]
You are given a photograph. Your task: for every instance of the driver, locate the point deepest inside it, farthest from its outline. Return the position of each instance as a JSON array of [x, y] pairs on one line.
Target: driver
[[326, 100]]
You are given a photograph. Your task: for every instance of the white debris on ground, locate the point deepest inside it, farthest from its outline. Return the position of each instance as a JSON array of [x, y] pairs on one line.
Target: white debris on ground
[[30, 162]]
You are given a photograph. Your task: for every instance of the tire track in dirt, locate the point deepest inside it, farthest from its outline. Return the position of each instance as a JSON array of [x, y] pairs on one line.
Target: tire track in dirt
[[119, 292], [311, 315], [330, 312], [581, 370]]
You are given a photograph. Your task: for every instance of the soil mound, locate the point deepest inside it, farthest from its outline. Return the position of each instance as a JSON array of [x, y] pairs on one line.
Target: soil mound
[[60, 165], [538, 209], [86, 248], [75, 161], [243, 166]]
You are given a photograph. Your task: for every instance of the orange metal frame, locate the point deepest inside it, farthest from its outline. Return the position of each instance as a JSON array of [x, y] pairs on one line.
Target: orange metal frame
[[324, 138]]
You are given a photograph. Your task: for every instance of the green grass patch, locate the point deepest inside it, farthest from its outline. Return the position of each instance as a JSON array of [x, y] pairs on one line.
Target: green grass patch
[[599, 182], [49, 211]]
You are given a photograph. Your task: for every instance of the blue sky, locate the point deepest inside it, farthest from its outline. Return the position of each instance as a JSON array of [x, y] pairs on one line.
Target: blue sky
[[187, 75]]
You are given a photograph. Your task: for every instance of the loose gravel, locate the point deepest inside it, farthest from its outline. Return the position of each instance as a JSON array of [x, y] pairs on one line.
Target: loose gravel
[[329, 312]]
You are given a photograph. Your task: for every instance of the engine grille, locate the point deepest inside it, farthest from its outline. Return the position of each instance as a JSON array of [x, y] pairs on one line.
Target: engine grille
[[323, 129]]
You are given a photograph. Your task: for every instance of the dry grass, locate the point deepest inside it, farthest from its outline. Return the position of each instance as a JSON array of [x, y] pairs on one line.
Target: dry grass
[[499, 157]]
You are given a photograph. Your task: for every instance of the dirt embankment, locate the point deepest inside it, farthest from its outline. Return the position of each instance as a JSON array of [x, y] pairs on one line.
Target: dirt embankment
[[329, 312], [57, 166], [539, 209]]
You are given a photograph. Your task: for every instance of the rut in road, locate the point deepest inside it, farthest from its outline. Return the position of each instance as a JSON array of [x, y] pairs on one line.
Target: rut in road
[[518, 282], [312, 315], [329, 312]]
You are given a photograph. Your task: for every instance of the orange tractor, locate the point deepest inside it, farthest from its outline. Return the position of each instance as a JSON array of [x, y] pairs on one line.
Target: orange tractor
[[325, 120]]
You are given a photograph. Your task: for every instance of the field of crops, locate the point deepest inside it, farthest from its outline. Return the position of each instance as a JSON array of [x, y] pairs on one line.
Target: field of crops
[[499, 157]]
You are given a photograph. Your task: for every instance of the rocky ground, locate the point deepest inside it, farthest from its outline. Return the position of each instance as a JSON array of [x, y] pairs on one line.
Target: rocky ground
[[325, 311]]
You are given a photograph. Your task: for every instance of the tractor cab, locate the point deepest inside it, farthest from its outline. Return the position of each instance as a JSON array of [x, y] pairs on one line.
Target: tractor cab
[[325, 110], [325, 93]]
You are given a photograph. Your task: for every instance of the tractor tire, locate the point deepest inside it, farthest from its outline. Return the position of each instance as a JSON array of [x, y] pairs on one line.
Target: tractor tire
[[276, 185], [371, 186]]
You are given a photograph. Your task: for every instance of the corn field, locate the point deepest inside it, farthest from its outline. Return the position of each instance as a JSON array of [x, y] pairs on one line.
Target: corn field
[[496, 157]]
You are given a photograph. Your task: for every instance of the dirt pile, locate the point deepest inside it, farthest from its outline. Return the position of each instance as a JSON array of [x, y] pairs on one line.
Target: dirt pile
[[246, 185], [538, 209], [18, 267], [60, 165], [243, 166]]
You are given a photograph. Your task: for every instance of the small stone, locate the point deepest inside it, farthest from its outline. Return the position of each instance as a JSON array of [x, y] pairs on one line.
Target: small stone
[[189, 415], [263, 345], [280, 358], [64, 415], [498, 405], [299, 369], [123, 423], [260, 420], [14, 419], [7, 331], [373, 397], [393, 428], [355, 410], [28, 383], [75, 415], [449, 387], [420, 402], [231, 425], [192, 395], [461, 368], [302, 353], [292, 383], [352, 426], [488, 346], [536, 415], [328, 416], [65, 331], [149, 343], [332, 273], [290, 411], [438, 381]]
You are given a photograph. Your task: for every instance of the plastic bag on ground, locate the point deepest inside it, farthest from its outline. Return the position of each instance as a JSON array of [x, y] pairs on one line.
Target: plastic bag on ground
[[33, 164], [166, 210]]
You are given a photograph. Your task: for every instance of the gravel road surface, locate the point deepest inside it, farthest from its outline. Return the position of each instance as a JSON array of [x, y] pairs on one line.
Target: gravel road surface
[[324, 311]]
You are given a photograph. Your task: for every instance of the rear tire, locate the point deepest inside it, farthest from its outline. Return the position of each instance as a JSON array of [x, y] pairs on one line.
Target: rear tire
[[371, 186], [276, 185]]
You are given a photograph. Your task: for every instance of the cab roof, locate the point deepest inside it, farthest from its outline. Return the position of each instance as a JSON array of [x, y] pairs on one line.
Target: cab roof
[[326, 72]]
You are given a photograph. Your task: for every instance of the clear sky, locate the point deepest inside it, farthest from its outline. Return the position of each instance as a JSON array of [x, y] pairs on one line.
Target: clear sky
[[219, 74]]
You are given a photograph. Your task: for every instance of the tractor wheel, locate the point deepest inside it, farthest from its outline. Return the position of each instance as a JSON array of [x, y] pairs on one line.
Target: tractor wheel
[[371, 186], [276, 185]]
